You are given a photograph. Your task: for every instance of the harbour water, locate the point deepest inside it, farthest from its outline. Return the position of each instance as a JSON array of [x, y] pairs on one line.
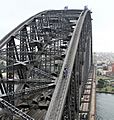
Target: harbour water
[[105, 106]]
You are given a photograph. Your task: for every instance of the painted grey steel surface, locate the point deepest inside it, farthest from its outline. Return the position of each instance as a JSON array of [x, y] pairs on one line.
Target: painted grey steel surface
[[48, 60]]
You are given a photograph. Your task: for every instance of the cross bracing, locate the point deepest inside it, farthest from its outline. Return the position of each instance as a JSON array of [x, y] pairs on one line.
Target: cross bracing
[[48, 59]]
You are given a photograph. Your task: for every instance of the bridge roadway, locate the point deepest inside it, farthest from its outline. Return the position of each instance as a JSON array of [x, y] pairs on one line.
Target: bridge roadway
[[49, 68], [88, 100], [92, 114]]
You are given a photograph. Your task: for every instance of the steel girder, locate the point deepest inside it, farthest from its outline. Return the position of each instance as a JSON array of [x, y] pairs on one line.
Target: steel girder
[[52, 48], [79, 44]]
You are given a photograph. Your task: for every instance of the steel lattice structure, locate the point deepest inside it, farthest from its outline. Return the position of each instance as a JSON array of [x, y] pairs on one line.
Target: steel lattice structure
[[48, 62]]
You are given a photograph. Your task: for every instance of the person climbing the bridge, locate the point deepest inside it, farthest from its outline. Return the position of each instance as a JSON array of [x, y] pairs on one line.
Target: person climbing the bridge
[[85, 7], [65, 72]]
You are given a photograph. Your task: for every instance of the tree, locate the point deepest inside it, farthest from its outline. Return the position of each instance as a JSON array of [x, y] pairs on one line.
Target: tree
[[112, 89], [101, 83], [106, 89]]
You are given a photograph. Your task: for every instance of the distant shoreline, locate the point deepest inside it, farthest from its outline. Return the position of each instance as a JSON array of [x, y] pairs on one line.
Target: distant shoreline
[[105, 92]]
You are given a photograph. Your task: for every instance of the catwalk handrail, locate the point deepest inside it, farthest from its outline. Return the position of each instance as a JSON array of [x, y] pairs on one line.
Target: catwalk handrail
[[56, 106]]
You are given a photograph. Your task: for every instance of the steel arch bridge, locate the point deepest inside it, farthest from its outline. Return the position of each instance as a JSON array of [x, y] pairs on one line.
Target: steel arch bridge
[[48, 64]]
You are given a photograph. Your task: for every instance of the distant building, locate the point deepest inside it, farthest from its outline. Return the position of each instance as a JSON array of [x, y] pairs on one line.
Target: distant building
[[109, 68], [112, 68], [108, 73]]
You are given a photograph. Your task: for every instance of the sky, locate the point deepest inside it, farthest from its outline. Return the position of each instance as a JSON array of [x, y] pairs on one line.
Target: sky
[[13, 12]]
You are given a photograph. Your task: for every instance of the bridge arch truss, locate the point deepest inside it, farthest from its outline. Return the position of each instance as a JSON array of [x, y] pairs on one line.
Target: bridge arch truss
[[48, 59]]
